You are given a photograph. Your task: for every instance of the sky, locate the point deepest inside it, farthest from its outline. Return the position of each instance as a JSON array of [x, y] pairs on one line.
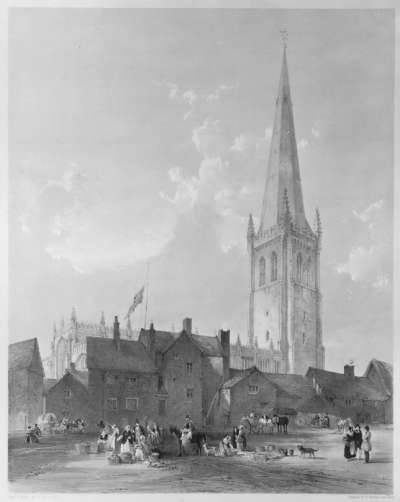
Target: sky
[[142, 136]]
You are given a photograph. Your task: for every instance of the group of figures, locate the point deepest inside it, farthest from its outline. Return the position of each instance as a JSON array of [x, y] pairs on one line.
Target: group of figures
[[320, 421], [139, 441], [265, 424], [32, 434], [232, 443], [51, 425], [356, 442]]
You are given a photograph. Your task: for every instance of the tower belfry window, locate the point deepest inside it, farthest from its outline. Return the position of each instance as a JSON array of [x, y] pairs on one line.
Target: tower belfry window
[[262, 271], [274, 266], [299, 266]]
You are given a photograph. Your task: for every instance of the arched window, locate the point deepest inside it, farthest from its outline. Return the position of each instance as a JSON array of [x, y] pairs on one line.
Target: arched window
[[267, 336], [304, 338], [299, 266], [308, 272], [274, 266], [262, 271]]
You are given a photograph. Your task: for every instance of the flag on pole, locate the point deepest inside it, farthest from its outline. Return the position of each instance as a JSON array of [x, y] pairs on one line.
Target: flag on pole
[[137, 300]]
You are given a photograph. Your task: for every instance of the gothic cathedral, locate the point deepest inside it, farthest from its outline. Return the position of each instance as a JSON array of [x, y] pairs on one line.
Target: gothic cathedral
[[285, 298]]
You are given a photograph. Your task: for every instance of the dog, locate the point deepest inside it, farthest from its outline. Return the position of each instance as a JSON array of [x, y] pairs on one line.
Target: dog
[[303, 450], [210, 451]]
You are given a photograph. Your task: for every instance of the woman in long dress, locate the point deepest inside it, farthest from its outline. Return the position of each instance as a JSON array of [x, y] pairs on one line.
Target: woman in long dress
[[348, 440], [367, 446]]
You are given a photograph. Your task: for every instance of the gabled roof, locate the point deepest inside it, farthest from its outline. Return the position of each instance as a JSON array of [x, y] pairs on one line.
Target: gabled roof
[[339, 385], [161, 339], [48, 383], [385, 371], [21, 354], [102, 353], [295, 385], [81, 376], [209, 345], [247, 373]]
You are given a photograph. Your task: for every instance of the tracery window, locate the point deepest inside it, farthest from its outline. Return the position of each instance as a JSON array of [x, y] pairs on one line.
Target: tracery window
[[299, 266], [262, 271], [274, 266]]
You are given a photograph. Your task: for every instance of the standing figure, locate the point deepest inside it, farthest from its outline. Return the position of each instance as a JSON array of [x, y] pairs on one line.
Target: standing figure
[[126, 439], [113, 437], [358, 439], [189, 423], [348, 440], [241, 439], [367, 446], [235, 434]]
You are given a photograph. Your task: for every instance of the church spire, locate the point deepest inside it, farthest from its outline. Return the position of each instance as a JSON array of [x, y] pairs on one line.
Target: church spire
[[283, 165]]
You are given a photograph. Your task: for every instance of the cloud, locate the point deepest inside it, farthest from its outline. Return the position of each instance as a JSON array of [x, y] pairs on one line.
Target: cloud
[[367, 214], [219, 91], [362, 263], [189, 97], [315, 132], [242, 143], [302, 144], [210, 139], [371, 260]]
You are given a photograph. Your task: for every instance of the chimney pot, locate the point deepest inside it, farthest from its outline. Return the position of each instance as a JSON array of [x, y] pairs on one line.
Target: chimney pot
[[117, 335], [187, 325], [348, 370]]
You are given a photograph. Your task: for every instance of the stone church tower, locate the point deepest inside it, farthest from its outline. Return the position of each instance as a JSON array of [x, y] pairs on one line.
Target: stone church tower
[[285, 299]]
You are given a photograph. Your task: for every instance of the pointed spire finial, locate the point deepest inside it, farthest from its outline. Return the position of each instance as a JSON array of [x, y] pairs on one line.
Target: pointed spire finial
[[284, 37], [73, 314], [54, 328], [250, 227], [102, 319], [318, 226]]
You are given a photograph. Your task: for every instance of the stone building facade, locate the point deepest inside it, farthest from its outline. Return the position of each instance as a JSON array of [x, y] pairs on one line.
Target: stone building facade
[[191, 368], [284, 252], [69, 396], [68, 344], [364, 399], [25, 384], [122, 380]]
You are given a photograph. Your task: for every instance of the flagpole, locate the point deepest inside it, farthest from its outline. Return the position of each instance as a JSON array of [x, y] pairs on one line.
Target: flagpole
[[147, 294]]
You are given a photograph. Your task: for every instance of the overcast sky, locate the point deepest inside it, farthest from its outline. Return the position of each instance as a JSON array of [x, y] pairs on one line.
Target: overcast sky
[[143, 134]]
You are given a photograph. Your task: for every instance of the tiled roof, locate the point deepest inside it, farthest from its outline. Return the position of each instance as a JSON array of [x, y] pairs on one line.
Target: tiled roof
[[162, 339], [210, 345], [48, 383], [385, 371], [339, 385], [295, 385], [81, 376], [21, 354], [102, 353]]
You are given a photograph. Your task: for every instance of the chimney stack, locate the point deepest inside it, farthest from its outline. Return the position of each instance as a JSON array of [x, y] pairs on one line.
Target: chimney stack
[[187, 325], [225, 339], [117, 335], [349, 370]]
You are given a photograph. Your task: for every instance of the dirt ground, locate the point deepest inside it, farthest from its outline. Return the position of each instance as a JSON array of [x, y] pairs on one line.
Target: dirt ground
[[54, 466]]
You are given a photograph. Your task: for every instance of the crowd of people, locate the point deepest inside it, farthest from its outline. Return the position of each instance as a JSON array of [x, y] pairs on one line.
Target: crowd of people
[[232, 443], [138, 440], [356, 442]]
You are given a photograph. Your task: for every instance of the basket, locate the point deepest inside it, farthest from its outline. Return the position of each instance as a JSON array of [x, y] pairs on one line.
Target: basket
[[114, 460], [126, 458]]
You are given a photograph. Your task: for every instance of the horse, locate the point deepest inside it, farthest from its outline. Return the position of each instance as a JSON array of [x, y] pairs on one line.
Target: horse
[[281, 423], [264, 425], [198, 438]]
